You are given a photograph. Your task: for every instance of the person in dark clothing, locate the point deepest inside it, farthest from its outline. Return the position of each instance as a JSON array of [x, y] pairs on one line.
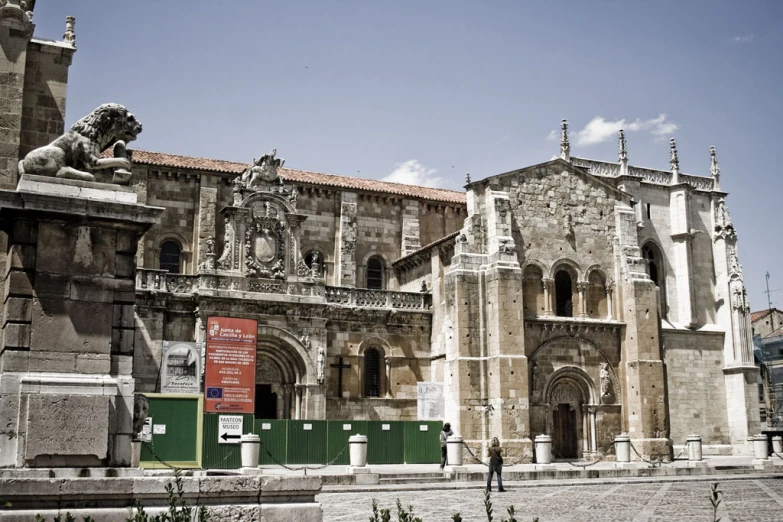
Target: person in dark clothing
[[495, 454], [444, 435]]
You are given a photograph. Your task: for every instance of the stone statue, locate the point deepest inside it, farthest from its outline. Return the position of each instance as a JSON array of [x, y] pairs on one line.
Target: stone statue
[[278, 270], [605, 382], [534, 379], [263, 169], [315, 265], [77, 153], [321, 362], [141, 409]]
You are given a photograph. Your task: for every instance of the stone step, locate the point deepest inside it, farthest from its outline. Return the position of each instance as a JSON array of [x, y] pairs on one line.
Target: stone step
[[412, 480]]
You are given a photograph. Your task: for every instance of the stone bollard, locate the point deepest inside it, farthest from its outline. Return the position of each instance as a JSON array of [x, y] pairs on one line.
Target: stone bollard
[[454, 450], [760, 447], [135, 453], [777, 444], [251, 446], [622, 448], [544, 449], [694, 448], [358, 449]]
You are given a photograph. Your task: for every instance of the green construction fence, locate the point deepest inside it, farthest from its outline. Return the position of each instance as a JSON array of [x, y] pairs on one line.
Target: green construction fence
[[298, 442]]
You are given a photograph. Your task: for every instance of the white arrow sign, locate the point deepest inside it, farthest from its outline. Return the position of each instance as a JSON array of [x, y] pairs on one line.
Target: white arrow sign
[[229, 429]]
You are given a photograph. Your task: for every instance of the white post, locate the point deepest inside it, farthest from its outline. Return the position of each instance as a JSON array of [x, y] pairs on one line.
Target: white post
[[544, 449], [251, 445], [694, 448], [622, 448]]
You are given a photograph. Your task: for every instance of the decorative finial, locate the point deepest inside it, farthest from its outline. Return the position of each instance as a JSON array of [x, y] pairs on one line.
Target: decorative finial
[[623, 149], [467, 178], [70, 35], [714, 169], [565, 147], [674, 162]]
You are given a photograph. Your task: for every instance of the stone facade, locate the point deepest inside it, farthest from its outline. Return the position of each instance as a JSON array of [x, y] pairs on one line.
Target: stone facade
[[577, 298]]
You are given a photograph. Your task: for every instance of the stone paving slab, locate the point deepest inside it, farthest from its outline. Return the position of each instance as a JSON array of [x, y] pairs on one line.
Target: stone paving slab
[[758, 499]]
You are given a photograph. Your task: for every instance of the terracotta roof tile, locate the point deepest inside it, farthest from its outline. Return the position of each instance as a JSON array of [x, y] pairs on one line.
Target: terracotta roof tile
[[761, 314], [160, 159]]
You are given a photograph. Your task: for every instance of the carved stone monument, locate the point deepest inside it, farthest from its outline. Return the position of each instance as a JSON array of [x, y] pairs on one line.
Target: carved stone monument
[[66, 357]]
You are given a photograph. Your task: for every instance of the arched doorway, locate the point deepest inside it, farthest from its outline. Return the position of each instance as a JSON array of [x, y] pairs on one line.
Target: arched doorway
[[567, 404], [279, 378]]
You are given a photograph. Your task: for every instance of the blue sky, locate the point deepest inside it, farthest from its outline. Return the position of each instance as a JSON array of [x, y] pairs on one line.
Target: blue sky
[[430, 90]]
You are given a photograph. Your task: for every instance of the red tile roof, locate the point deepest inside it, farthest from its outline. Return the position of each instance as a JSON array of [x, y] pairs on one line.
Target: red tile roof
[[159, 159], [761, 314]]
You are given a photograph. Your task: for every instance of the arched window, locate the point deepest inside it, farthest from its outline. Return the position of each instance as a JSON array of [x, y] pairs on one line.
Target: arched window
[[170, 256], [597, 304], [652, 255], [564, 299], [375, 274], [372, 372]]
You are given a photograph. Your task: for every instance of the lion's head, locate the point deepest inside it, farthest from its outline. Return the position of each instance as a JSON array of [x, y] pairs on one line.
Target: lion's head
[[107, 124]]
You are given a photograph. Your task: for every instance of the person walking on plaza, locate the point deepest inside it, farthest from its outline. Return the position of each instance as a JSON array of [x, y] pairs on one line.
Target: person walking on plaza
[[495, 464], [444, 436]]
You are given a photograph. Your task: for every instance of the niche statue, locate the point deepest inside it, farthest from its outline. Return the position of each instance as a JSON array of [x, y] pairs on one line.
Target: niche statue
[[77, 153]]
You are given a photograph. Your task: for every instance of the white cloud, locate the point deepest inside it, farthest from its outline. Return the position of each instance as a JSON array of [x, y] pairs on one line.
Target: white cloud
[[412, 172], [744, 39], [553, 135], [599, 129]]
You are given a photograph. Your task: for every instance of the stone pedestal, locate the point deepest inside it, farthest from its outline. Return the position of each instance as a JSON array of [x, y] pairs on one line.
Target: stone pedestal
[[68, 294]]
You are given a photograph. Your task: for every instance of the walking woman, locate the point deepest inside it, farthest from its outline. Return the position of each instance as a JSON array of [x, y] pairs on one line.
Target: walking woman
[[495, 464]]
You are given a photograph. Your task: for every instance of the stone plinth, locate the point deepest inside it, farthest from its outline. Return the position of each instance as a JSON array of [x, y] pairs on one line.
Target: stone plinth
[[68, 294], [246, 498]]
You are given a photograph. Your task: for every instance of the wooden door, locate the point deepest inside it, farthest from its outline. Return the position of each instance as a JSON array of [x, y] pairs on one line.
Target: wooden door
[[564, 439]]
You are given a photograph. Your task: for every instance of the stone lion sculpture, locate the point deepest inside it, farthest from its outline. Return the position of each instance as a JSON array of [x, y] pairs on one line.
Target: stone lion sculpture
[[77, 153]]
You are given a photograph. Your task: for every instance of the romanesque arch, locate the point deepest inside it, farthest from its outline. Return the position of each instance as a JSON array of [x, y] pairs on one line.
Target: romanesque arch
[[284, 374]]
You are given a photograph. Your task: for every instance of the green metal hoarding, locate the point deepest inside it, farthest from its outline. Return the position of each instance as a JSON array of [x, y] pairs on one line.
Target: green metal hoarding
[[176, 431], [385, 442], [422, 442], [337, 436], [306, 442], [274, 438]]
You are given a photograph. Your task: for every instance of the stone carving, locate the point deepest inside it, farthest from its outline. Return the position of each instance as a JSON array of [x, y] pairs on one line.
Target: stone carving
[[724, 227], [224, 263], [424, 287], [506, 246], [606, 383], [735, 269], [265, 248], [674, 161], [141, 409], [209, 261], [78, 151], [305, 340], [565, 147], [320, 364], [302, 270], [534, 381], [263, 169], [623, 152], [315, 265]]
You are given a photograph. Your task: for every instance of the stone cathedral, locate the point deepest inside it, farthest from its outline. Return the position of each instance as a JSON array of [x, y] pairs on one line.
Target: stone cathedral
[[577, 298]]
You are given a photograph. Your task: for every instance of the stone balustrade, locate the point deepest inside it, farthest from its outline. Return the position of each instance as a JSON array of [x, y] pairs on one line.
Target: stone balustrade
[[206, 283]]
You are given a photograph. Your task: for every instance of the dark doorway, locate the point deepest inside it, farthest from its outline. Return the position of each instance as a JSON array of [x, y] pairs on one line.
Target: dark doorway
[[266, 402], [564, 439], [563, 295]]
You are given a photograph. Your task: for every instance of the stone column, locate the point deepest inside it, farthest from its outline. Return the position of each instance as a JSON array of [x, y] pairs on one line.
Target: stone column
[[593, 436], [609, 286], [585, 431], [205, 224], [548, 284], [346, 242], [388, 378], [67, 353], [581, 287], [298, 399]]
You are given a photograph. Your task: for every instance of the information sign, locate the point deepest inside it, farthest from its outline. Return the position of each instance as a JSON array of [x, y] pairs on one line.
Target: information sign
[[230, 379], [229, 429]]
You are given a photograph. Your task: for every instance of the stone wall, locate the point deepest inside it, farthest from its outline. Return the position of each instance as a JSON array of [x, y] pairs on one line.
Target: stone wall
[[695, 386]]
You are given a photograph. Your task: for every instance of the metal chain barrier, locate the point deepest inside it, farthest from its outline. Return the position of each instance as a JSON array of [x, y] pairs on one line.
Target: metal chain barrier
[[300, 468], [653, 463]]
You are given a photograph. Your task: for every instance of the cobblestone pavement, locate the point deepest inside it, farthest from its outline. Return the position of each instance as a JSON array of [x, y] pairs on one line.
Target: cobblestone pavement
[[757, 500]]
